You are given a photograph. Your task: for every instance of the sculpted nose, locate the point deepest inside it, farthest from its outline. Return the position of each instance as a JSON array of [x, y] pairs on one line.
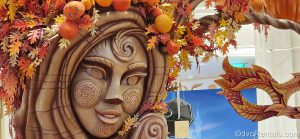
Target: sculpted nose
[[114, 93]]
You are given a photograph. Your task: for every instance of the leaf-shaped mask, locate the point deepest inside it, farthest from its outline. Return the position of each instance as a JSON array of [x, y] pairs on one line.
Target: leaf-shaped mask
[[237, 79]]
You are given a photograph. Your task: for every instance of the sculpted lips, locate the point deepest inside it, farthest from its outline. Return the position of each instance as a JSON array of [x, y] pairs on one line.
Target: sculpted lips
[[108, 116]]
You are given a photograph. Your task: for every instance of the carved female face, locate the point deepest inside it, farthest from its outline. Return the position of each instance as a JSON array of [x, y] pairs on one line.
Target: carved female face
[[108, 85]]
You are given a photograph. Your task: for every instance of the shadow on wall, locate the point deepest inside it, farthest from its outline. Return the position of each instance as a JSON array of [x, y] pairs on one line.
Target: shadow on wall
[[214, 118]]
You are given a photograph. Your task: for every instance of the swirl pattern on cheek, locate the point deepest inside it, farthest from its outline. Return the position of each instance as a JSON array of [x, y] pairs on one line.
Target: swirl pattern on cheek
[[132, 100], [87, 93], [105, 131]]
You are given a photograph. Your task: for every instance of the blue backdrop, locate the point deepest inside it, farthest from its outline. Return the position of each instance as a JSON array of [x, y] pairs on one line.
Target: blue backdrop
[[214, 118]]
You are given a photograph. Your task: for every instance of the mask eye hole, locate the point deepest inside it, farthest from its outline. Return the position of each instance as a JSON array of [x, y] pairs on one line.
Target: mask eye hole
[[96, 72], [132, 80], [292, 100]]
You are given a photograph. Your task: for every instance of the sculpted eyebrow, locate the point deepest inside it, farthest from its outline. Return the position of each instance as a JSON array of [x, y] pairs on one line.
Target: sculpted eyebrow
[[100, 60], [138, 65]]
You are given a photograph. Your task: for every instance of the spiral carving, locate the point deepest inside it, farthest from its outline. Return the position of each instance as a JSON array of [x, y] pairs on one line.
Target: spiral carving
[[87, 93], [105, 131], [122, 49], [151, 126], [132, 99]]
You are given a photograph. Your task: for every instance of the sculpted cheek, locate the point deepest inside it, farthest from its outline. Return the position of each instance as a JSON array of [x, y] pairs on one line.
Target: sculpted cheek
[[104, 131], [87, 93], [132, 100]]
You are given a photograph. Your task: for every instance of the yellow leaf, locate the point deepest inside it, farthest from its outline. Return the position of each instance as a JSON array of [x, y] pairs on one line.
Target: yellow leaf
[[60, 19], [223, 23], [2, 3], [181, 30], [152, 42], [171, 61], [14, 48], [186, 63], [181, 42], [11, 9]]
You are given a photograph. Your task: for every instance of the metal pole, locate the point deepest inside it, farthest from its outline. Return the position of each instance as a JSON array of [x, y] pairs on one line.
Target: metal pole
[[178, 97]]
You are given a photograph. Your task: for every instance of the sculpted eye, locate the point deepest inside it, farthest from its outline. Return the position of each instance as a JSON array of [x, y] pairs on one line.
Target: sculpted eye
[[133, 79], [96, 72]]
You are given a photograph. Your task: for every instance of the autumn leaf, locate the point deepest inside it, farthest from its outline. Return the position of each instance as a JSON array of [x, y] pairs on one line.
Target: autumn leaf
[[151, 29], [24, 62], [185, 62], [34, 35], [34, 53], [64, 43], [223, 22], [10, 82], [239, 17], [4, 30], [197, 41], [14, 48], [181, 42], [2, 3], [12, 7], [152, 43], [20, 25], [188, 10], [43, 50], [164, 38], [59, 19], [195, 25]]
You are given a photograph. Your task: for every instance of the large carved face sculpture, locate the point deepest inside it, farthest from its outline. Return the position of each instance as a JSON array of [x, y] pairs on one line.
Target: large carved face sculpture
[[108, 85]]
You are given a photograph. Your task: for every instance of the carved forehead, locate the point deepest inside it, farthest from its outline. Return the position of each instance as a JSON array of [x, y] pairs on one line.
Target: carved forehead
[[123, 49]]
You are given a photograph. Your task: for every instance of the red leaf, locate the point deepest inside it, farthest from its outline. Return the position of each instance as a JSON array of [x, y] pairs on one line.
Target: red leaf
[[180, 11], [197, 41], [164, 38], [4, 30], [25, 46], [20, 25], [10, 82], [35, 35], [43, 50], [3, 13], [188, 10], [24, 63]]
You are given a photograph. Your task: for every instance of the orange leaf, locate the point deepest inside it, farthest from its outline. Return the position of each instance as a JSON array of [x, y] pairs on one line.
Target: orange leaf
[[152, 42], [151, 29]]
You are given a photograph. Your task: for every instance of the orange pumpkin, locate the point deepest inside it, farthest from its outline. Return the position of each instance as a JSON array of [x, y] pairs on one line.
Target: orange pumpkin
[[85, 22], [68, 29], [88, 4], [104, 3], [152, 2], [121, 5], [74, 10], [163, 23], [283, 9]]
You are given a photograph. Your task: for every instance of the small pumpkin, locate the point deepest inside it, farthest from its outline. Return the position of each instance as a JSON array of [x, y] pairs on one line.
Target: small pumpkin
[[121, 5], [152, 2], [85, 22], [163, 23], [88, 4], [68, 29], [104, 3], [74, 10]]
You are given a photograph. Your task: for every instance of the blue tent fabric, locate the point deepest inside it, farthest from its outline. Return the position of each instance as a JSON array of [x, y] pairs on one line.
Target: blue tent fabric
[[214, 118]]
